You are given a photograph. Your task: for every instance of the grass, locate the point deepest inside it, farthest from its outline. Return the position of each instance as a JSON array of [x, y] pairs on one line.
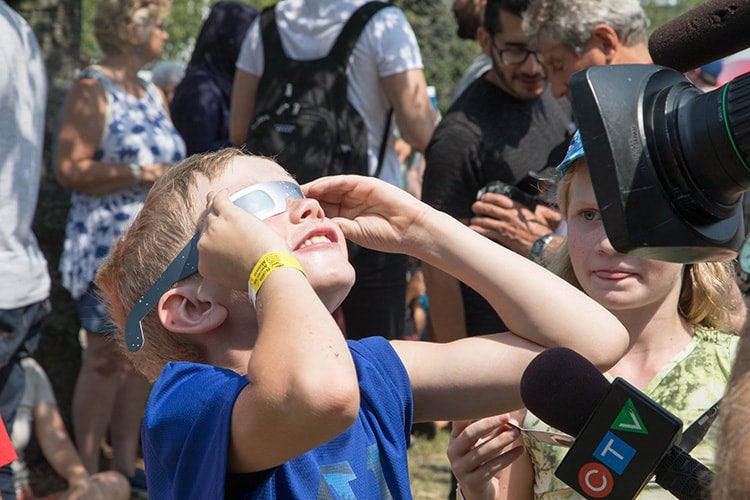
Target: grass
[[429, 469]]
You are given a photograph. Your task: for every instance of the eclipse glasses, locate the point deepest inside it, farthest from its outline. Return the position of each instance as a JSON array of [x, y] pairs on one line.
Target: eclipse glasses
[[263, 200]]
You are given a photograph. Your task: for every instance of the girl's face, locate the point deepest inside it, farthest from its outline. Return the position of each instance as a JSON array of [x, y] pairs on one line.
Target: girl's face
[[617, 281]]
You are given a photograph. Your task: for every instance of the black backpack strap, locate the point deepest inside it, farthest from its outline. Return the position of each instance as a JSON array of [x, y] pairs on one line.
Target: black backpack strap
[[349, 35], [342, 49], [273, 51], [383, 143]]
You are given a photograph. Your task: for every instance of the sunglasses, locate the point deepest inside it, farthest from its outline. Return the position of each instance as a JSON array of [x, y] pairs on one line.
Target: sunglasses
[[263, 200]]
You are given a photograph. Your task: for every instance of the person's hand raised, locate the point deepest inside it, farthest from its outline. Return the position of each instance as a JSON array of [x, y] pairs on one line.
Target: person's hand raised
[[233, 240], [371, 212]]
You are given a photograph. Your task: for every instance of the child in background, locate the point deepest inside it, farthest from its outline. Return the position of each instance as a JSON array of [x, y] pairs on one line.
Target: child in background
[[680, 353]]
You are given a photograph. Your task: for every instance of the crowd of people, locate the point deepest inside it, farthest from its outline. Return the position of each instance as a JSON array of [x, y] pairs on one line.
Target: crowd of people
[[285, 340]]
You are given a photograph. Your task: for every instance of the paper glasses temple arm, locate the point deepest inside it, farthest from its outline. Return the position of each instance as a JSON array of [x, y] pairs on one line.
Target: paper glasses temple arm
[[185, 264]]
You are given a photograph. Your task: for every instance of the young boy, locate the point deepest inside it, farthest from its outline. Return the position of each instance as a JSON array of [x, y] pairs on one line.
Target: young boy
[[258, 393]]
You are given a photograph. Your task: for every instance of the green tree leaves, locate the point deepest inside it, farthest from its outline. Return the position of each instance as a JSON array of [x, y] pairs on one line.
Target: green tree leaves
[[445, 55]]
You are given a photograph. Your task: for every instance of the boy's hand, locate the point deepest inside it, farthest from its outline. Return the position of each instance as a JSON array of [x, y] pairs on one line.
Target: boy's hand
[[370, 212], [477, 453], [232, 242]]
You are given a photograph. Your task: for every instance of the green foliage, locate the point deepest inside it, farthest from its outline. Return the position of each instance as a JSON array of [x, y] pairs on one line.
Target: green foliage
[[660, 11], [445, 55]]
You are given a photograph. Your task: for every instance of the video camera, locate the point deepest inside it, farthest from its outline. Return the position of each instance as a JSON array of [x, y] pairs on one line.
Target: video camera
[[669, 163]]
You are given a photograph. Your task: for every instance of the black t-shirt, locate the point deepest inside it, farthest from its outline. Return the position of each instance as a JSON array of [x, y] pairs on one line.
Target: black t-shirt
[[488, 135]]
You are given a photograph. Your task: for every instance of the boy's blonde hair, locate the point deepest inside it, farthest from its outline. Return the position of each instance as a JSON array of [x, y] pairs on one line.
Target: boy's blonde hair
[[161, 229], [705, 297]]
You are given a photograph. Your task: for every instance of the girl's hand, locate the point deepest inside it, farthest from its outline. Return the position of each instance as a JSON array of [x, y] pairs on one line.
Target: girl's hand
[[478, 451]]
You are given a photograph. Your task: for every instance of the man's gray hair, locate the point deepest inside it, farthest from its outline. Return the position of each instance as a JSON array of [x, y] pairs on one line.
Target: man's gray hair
[[570, 22]]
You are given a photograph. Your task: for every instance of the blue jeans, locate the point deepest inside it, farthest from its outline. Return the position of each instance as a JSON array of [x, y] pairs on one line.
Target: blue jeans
[[20, 330]]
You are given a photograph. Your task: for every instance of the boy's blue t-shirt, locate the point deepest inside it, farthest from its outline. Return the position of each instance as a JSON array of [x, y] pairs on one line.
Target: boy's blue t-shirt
[[186, 428]]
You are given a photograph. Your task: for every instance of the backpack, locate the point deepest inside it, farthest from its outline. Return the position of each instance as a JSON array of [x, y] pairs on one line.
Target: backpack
[[303, 118]]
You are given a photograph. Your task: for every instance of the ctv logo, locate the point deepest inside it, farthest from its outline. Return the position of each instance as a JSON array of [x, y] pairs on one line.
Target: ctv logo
[[613, 454]]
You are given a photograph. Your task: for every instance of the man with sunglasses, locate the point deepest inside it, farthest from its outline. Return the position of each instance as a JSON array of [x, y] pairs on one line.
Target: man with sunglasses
[[504, 127]]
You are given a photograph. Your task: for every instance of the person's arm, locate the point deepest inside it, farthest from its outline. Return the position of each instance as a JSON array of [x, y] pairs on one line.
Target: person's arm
[[452, 381], [731, 479], [244, 92], [415, 116], [58, 449], [450, 184], [517, 480], [446, 304], [81, 128], [512, 224], [303, 388]]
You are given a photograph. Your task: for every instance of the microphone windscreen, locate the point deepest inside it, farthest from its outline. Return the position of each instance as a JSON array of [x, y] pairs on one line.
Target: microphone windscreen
[[562, 388], [710, 31]]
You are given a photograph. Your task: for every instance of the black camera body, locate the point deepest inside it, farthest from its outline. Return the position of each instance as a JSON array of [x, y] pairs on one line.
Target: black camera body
[[511, 191], [533, 189], [669, 163]]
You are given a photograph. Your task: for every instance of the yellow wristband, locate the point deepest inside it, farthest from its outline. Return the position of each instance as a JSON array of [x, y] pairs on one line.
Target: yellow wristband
[[265, 266]]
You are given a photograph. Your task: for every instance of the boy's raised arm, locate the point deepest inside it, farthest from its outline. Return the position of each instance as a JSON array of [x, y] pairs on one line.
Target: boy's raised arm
[[534, 303], [303, 387], [541, 309]]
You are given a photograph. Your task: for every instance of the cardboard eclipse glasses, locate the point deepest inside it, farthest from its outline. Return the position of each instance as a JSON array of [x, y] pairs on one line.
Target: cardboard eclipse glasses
[[263, 200]]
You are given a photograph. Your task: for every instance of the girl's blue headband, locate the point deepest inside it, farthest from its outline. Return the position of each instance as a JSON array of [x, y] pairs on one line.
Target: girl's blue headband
[[575, 151]]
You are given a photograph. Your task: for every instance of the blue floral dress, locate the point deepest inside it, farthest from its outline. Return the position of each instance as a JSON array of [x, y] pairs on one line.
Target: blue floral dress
[[135, 130]]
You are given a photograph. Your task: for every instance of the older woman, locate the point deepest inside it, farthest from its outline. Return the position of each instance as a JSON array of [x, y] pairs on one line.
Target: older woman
[[116, 138]]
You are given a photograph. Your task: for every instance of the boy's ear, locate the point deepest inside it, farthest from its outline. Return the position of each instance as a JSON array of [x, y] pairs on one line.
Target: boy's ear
[[605, 38], [182, 310]]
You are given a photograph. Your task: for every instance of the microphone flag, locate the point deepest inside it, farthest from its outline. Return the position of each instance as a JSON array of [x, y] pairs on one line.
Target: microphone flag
[[620, 445]]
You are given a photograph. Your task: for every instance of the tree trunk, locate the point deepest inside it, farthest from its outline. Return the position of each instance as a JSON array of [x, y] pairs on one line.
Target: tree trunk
[[57, 26]]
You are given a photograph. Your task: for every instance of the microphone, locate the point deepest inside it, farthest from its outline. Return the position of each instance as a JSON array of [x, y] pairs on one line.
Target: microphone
[[622, 435], [710, 31]]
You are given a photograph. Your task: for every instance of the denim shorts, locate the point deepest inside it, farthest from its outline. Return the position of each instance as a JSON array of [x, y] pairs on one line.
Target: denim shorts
[[20, 330], [91, 312]]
